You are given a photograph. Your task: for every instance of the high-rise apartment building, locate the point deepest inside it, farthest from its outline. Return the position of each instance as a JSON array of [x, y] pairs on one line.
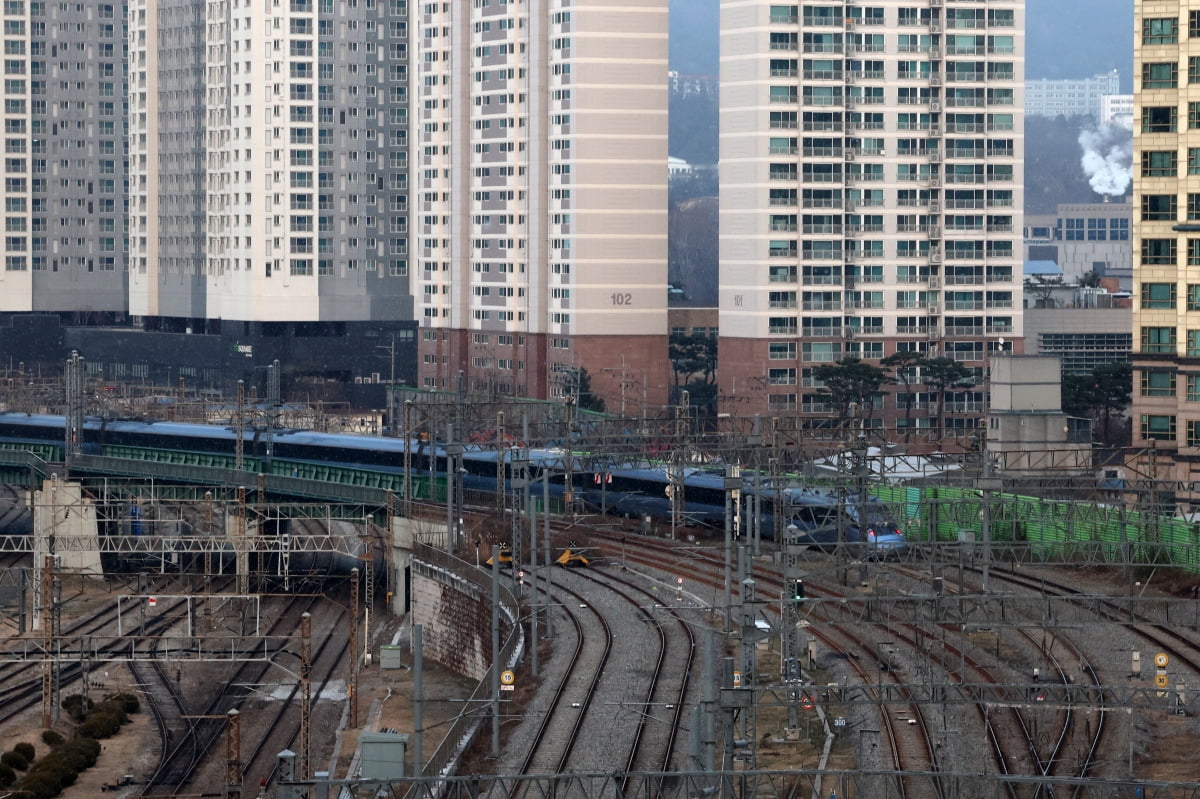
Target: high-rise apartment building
[[268, 162], [871, 193], [540, 194], [1166, 238], [64, 158]]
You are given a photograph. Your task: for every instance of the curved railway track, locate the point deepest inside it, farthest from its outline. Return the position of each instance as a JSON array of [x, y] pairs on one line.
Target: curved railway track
[[1048, 763], [660, 692], [558, 733], [23, 692]]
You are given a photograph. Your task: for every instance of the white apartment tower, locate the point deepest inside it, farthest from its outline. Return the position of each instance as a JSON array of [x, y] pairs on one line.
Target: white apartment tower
[[64, 158], [871, 191], [540, 194], [268, 161]]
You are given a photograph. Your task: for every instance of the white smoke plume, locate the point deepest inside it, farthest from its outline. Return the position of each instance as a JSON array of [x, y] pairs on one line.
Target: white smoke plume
[[1108, 158]]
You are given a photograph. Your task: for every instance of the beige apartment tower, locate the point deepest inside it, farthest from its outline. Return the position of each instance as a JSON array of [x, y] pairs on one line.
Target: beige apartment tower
[[540, 193], [871, 194], [1166, 245]]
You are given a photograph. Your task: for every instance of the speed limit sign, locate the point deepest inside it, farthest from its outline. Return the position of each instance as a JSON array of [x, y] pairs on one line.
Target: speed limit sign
[[1161, 660], [806, 702]]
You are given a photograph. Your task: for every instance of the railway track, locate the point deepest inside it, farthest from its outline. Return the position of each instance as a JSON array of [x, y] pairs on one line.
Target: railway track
[[558, 733], [176, 771], [922, 757], [333, 644], [653, 745], [23, 692]]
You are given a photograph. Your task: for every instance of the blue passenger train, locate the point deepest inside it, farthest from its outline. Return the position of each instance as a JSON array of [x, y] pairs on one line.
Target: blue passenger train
[[369, 460]]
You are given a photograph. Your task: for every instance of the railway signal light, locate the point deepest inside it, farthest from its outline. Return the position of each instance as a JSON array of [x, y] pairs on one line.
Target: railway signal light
[[797, 590]]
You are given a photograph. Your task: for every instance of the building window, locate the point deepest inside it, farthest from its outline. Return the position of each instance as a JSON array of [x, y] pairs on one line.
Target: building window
[[1193, 24], [1160, 30], [1158, 383], [1194, 69], [1158, 339], [1193, 433], [1160, 76], [1159, 119], [1159, 164], [1159, 207], [1193, 252], [1193, 116], [1158, 295], [1160, 252], [1158, 428], [1193, 344], [1193, 388]]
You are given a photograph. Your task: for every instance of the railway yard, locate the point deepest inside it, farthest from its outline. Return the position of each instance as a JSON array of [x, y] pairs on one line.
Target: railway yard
[[917, 679], [1019, 638]]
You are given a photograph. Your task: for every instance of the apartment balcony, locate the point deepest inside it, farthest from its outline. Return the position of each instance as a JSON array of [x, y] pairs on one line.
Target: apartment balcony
[[822, 280], [821, 305], [822, 152], [823, 332]]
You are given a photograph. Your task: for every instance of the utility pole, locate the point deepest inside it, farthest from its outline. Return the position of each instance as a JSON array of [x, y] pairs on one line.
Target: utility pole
[[239, 422], [73, 427], [354, 647], [305, 695], [272, 411], [233, 755]]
